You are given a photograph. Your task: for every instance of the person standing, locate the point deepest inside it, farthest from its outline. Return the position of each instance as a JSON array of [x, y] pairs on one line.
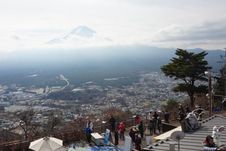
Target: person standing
[[181, 117], [155, 117], [159, 124], [132, 133], [107, 137], [148, 136], [166, 116], [122, 129], [150, 122], [112, 122], [90, 125], [141, 129], [88, 132], [116, 137], [137, 142], [137, 119]]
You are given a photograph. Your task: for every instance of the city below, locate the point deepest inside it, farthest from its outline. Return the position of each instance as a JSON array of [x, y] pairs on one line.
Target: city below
[[149, 92]]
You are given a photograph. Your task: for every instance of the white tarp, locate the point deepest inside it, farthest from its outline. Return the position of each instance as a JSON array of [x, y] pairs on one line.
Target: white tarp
[[46, 144]]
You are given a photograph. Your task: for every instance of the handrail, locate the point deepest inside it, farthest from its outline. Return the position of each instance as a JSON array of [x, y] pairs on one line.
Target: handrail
[[68, 136]]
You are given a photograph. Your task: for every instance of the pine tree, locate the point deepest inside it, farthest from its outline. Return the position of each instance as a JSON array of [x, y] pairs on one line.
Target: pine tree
[[188, 67]]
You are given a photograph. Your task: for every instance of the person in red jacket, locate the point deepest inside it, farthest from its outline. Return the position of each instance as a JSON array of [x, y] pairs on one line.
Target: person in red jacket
[[121, 129], [137, 119]]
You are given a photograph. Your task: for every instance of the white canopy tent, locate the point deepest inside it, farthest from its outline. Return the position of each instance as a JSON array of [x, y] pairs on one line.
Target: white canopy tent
[[46, 144]]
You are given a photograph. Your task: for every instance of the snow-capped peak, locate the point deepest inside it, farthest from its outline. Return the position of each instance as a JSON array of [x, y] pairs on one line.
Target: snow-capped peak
[[82, 31], [79, 37]]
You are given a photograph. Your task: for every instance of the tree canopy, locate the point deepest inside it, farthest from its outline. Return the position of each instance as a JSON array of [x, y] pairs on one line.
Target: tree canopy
[[188, 67]]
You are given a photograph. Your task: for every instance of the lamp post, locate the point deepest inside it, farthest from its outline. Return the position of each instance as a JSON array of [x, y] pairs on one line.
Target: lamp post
[[208, 73]]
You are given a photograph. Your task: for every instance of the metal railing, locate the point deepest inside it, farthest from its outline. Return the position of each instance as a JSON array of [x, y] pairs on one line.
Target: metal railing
[[69, 136]]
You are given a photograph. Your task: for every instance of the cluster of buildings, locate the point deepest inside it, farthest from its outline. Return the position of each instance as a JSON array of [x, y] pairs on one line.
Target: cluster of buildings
[[148, 93]]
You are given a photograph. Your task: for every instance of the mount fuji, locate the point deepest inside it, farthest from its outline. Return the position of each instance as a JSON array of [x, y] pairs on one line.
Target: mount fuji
[[81, 35], [81, 31]]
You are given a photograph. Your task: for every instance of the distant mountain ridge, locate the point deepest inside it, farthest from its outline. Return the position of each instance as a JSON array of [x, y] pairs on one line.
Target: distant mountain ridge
[[214, 58], [91, 64]]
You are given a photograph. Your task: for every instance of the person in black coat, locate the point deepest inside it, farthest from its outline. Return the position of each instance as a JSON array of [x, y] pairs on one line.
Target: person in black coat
[[166, 116], [159, 124], [137, 142], [141, 129], [112, 122], [155, 117], [116, 137], [132, 133]]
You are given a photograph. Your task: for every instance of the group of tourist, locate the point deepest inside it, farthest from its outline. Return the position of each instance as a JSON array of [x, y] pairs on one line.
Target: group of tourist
[[137, 132], [213, 142], [153, 125], [189, 119], [118, 129], [154, 122]]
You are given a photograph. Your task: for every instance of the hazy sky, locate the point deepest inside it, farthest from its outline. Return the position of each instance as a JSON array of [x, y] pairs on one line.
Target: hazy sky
[[162, 23]]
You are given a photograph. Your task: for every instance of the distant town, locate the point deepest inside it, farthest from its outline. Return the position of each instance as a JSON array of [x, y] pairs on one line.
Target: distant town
[[148, 93]]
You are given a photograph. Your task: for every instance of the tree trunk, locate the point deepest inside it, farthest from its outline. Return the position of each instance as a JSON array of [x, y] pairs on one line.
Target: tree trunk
[[192, 101]]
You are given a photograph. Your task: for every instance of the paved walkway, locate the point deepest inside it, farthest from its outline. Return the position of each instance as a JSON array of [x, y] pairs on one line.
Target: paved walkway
[[143, 144]]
